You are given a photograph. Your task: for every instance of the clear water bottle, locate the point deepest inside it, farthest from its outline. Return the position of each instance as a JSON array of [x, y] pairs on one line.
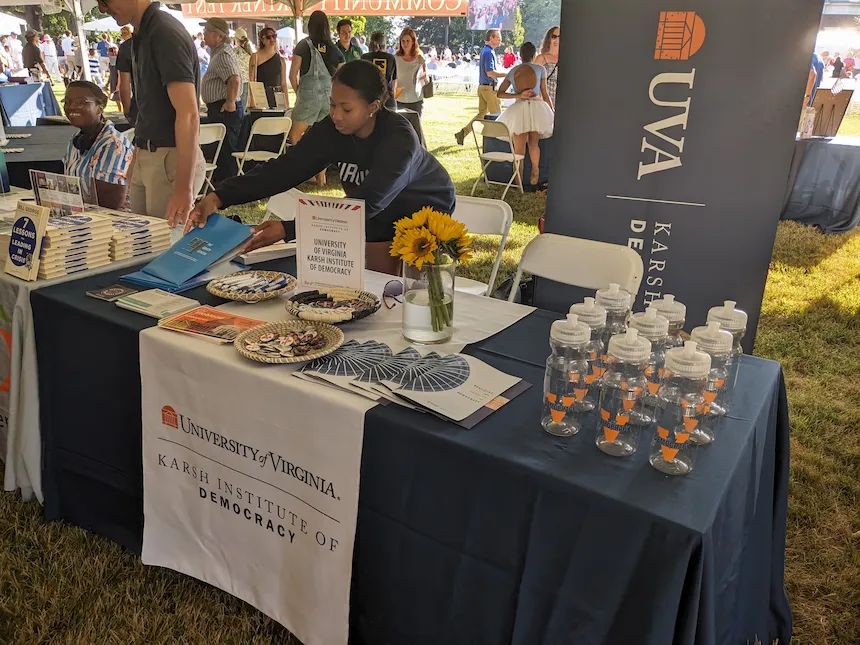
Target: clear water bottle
[[594, 316], [680, 406], [718, 345], [734, 321], [622, 393], [655, 328], [617, 303], [676, 313], [564, 382]]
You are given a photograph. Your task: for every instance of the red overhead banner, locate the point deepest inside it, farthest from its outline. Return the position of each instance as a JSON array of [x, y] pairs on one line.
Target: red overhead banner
[[267, 8]]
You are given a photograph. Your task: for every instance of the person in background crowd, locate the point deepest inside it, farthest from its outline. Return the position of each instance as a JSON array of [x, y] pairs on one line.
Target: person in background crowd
[[49, 51], [123, 67], [818, 66], [202, 57], [219, 90], [5, 58], [95, 67], [548, 57], [269, 67], [113, 78], [411, 72], [98, 152], [315, 61], [362, 44], [349, 50], [244, 51], [104, 45], [380, 158], [838, 66], [169, 167], [850, 64], [530, 118], [386, 63], [509, 59], [17, 49], [67, 46], [488, 101], [32, 55]]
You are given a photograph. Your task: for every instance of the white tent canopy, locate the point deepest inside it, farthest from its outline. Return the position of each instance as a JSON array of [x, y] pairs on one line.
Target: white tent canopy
[[10, 24], [192, 25]]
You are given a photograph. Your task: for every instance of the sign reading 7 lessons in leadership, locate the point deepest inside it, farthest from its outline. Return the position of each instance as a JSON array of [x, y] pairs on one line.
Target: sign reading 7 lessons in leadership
[[330, 243]]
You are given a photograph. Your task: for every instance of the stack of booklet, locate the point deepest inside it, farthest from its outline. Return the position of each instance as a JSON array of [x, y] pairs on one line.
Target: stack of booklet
[[75, 243], [457, 387], [156, 303], [135, 235]]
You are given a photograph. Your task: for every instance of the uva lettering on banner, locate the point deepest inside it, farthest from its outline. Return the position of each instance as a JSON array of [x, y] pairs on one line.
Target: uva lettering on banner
[[686, 158]]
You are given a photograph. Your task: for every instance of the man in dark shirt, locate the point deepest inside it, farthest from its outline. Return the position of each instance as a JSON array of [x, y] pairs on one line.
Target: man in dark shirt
[[386, 62], [168, 169], [32, 55], [349, 50]]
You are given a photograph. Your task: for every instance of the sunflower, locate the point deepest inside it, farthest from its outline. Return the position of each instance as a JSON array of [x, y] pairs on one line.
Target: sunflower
[[417, 246], [444, 227]]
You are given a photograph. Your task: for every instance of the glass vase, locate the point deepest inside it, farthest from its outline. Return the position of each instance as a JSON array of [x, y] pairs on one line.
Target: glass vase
[[428, 302]]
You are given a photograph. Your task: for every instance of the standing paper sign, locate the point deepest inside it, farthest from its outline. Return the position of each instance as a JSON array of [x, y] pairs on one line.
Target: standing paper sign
[[330, 243], [26, 240], [258, 93]]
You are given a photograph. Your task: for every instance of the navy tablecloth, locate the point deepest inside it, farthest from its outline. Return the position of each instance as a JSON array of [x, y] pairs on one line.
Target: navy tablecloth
[[824, 184], [501, 534], [24, 105]]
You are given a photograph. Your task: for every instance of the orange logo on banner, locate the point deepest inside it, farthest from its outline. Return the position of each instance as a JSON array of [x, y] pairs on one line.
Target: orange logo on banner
[[168, 417], [680, 34]]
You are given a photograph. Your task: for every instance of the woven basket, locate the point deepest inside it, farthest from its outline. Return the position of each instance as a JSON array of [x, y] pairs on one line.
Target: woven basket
[[297, 304], [333, 337], [252, 297]]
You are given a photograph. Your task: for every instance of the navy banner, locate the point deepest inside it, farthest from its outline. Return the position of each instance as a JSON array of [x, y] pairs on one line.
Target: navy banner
[[675, 128]]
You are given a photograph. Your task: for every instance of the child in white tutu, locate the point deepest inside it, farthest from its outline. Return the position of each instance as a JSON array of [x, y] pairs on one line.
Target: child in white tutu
[[531, 117]]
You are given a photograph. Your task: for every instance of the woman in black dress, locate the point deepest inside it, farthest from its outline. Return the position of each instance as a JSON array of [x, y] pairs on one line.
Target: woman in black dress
[[269, 67]]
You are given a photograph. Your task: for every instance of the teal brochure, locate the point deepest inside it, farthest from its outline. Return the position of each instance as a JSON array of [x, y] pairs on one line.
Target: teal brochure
[[201, 248]]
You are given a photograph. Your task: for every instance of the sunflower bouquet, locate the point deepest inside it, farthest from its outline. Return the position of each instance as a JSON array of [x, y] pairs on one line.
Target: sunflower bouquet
[[430, 240]]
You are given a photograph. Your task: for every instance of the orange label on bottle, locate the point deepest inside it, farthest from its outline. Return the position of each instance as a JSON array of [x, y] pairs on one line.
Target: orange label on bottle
[[557, 415], [580, 393], [609, 433], [604, 414], [690, 423], [653, 387], [628, 404]]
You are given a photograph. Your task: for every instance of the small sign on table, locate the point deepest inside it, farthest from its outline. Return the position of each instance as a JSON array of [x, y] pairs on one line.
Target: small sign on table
[[330, 243]]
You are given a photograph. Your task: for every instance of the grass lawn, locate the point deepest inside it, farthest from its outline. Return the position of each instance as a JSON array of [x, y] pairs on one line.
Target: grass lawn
[[61, 585]]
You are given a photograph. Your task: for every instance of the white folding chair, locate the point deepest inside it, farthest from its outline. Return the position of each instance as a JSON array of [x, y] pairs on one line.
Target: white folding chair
[[129, 134], [283, 205], [485, 128], [211, 133], [483, 217], [264, 126], [581, 263]]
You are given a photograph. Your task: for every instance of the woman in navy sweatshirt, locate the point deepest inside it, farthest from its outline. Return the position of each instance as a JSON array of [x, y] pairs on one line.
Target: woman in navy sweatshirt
[[377, 153]]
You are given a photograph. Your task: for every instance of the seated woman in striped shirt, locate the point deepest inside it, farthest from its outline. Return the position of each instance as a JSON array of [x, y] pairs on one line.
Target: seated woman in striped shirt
[[98, 153]]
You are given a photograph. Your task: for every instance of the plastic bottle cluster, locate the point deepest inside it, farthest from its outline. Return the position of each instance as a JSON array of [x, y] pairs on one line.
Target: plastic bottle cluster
[[621, 374]]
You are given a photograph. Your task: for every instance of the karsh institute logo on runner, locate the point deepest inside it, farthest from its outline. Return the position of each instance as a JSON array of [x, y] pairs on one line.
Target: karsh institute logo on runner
[[680, 34]]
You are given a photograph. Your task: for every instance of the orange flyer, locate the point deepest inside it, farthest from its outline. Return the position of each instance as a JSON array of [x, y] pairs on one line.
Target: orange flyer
[[209, 324]]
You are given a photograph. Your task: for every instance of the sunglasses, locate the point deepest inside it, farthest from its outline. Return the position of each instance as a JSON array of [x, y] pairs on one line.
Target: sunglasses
[[393, 291], [554, 36]]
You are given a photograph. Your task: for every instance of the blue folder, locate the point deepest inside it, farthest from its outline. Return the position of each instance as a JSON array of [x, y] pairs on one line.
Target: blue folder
[[182, 266]]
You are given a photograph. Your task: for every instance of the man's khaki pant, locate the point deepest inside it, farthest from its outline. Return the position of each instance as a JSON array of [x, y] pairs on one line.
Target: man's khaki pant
[[488, 103], [154, 177]]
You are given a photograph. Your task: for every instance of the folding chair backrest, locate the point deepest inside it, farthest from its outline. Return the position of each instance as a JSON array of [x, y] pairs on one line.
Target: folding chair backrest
[[483, 216], [283, 205], [487, 128], [212, 133], [580, 263], [129, 134], [271, 125]]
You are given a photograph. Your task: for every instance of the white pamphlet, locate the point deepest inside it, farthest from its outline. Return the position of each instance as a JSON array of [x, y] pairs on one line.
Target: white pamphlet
[[330, 243]]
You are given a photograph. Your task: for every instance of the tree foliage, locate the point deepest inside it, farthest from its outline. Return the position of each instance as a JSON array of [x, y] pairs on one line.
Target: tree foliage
[[538, 16]]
